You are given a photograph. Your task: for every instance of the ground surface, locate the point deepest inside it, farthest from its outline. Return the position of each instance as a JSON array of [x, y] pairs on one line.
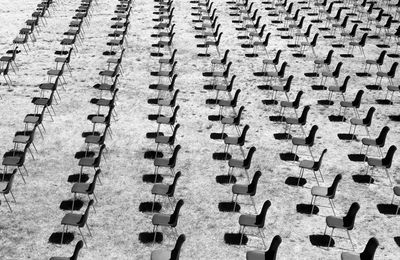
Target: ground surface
[[116, 225]]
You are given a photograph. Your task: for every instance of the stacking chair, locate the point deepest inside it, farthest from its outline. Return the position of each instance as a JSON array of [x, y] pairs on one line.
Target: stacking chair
[[76, 220], [334, 74], [270, 254], [65, 60], [325, 62], [11, 58], [256, 221], [24, 137], [7, 189], [307, 141], [163, 254], [360, 44], [74, 256], [5, 71], [396, 192], [168, 140], [85, 188], [219, 74], [241, 164], [221, 62], [167, 162], [15, 159], [274, 62], [385, 162], [378, 62], [345, 223], [70, 42], [167, 220], [232, 103], [57, 72], [100, 118], [213, 43], [389, 75], [169, 61], [239, 141], [109, 73], [279, 75], [166, 190], [244, 189], [378, 142], [234, 121], [367, 254], [338, 89], [366, 122], [167, 120], [355, 104], [325, 192], [93, 162], [349, 34], [290, 104], [314, 166], [164, 73], [22, 40], [300, 121], [44, 102], [312, 44], [285, 88]]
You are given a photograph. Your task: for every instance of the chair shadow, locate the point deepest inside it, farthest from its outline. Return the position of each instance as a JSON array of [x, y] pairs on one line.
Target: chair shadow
[[362, 178], [218, 136], [293, 181], [289, 157], [395, 118], [306, 209], [153, 135], [224, 179], [67, 204], [321, 240], [215, 117], [234, 239], [397, 240], [153, 101], [357, 157], [212, 101], [282, 136], [153, 154], [277, 118], [75, 177], [146, 206], [347, 137], [82, 154], [384, 102], [387, 209], [221, 156], [55, 238], [85, 134], [318, 87], [153, 117], [325, 102], [152, 178], [228, 206], [148, 237], [270, 102], [5, 177], [337, 118]]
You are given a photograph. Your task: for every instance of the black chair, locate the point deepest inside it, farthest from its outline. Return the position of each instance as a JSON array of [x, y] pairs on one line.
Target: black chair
[[270, 254], [74, 256], [314, 166], [163, 254], [367, 254], [244, 189], [384, 163], [325, 192], [167, 190], [167, 220]]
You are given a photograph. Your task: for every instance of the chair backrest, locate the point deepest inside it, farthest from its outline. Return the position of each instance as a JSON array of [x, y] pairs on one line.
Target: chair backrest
[[344, 22], [174, 97], [380, 141], [93, 184], [336, 72], [78, 247], [177, 249], [290, 7], [300, 24], [171, 188], [286, 88], [68, 58], [235, 98], [381, 58], [368, 119], [257, 23], [236, 120], [7, 189], [296, 102], [171, 86], [311, 136], [273, 248], [363, 40], [392, 70], [343, 88], [114, 96], [318, 164], [353, 31], [260, 218], [349, 219], [338, 13], [276, 59], [171, 72], [213, 13], [247, 161], [85, 216], [313, 43], [173, 117], [266, 40], [171, 140], [172, 59], [230, 86], [242, 137], [261, 33], [252, 188], [328, 58], [98, 158], [308, 31], [387, 161], [388, 22], [369, 250], [329, 9], [173, 221], [333, 187], [228, 67], [303, 117], [281, 72], [225, 58], [357, 100], [219, 38], [172, 161]]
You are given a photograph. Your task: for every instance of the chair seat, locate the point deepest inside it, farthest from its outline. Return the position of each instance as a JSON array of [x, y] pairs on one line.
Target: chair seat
[[307, 164], [255, 255], [161, 254], [92, 139], [335, 89], [228, 120], [292, 121], [356, 121], [225, 103], [11, 161], [216, 61], [278, 88], [240, 189], [67, 41], [354, 43], [247, 220], [268, 61], [164, 102], [346, 104], [299, 141], [71, 219], [80, 188], [86, 161], [161, 139], [286, 104], [21, 139], [163, 120], [60, 258], [231, 140], [375, 162], [236, 163], [371, 62], [101, 102], [160, 189], [98, 119], [161, 219], [107, 73], [161, 162], [334, 222], [381, 74], [47, 86], [32, 119], [319, 191], [41, 101], [393, 88], [327, 74], [349, 256], [369, 141]]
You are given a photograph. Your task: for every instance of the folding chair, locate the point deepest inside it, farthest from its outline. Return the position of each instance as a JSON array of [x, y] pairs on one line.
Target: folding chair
[[163, 254], [166, 190], [385, 162], [8, 188], [368, 253], [270, 254], [74, 256], [257, 221], [167, 220], [246, 190], [325, 192], [345, 223], [314, 166]]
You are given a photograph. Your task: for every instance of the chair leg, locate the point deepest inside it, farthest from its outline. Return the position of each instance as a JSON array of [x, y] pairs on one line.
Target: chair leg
[[155, 233], [352, 245], [90, 233], [7, 202], [83, 238], [333, 208], [262, 237], [241, 236], [313, 199], [388, 175], [154, 201], [330, 238]]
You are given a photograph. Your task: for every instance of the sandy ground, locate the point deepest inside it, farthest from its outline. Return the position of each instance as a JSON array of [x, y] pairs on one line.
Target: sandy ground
[[116, 225]]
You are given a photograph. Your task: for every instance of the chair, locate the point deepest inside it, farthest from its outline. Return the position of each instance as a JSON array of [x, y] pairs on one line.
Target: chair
[[312, 44], [334, 75], [166, 190], [389, 75], [4, 71], [338, 89], [167, 162], [85, 188], [314, 166], [234, 121], [244, 189], [74, 256], [239, 141], [307, 141], [290, 104], [378, 142], [256, 221], [384, 163], [7, 189], [355, 104], [65, 60], [241, 164], [325, 192], [367, 254], [15, 159], [11, 58], [168, 140], [167, 120], [162, 254], [325, 62], [378, 62], [366, 122], [222, 62], [396, 192], [345, 223], [284, 88], [270, 254], [274, 62], [228, 103], [91, 161], [302, 120], [167, 220]]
